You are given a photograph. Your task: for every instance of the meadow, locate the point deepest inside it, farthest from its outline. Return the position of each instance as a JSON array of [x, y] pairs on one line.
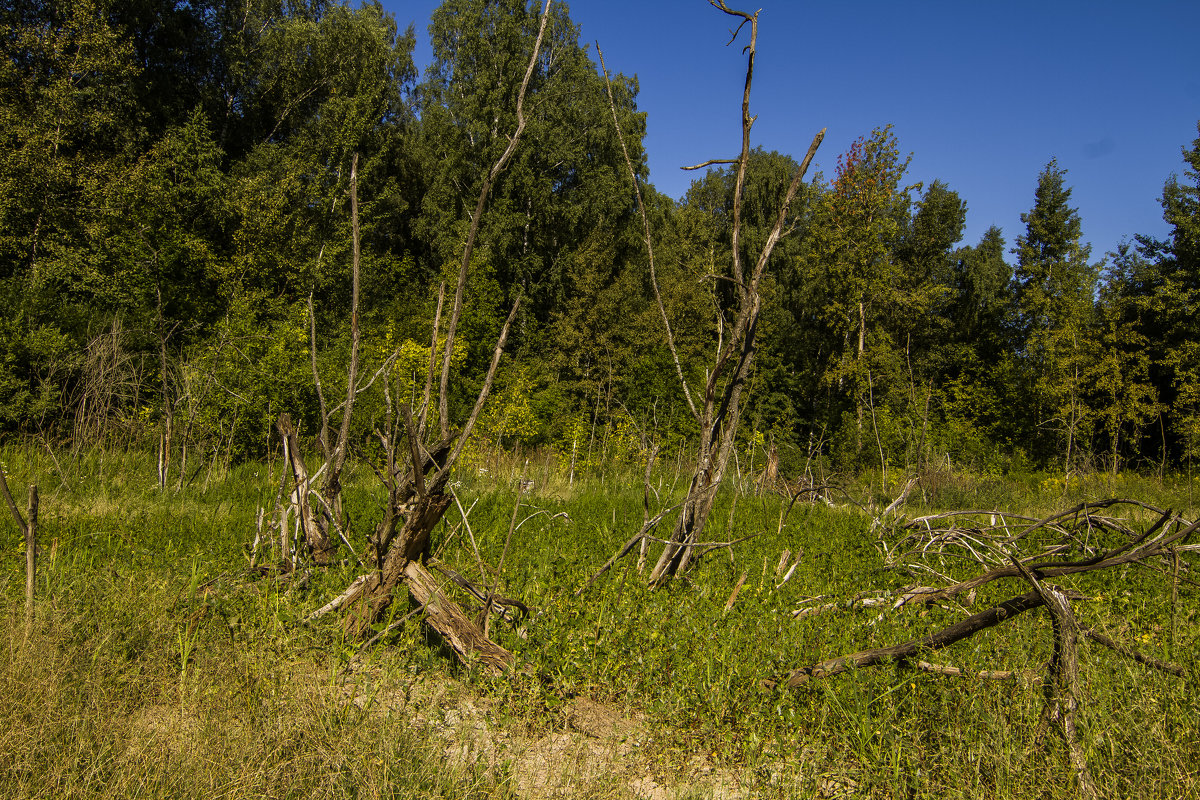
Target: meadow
[[159, 665]]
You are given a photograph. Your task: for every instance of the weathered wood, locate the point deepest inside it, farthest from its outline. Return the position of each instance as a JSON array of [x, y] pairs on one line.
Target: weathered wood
[[413, 541], [1152, 542], [934, 641], [956, 672], [1137, 549], [476, 218], [422, 501], [733, 596], [316, 537], [352, 592], [641, 536], [30, 555], [718, 413], [28, 529], [463, 636], [410, 544], [12, 505], [1063, 692]]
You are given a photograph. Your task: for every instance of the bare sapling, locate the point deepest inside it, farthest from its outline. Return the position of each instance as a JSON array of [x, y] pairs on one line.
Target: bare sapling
[[319, 510], [717, 408]]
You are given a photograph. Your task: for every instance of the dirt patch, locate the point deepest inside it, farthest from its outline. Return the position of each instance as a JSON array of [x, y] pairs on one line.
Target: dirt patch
[[566, 764], [601, 721], [595, 749]]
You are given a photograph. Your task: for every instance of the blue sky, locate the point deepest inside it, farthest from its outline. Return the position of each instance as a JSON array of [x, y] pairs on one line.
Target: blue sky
[[982, 94]]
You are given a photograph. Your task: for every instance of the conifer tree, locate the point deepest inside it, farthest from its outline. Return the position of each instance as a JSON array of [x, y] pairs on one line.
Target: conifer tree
[[1177, 293], [1054, 304]]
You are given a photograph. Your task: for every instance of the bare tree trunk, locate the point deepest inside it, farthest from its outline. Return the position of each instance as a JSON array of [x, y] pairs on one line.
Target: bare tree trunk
[[164, 441], [689, 526], [1063, 692], [411, 544], [719, 412], [420, 501], [30, 555], [858, 403], [28, 528], [316, 532], [331, 489]]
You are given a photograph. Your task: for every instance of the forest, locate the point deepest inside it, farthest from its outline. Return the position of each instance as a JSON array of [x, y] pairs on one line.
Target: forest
[[387, 434], [175, 201]]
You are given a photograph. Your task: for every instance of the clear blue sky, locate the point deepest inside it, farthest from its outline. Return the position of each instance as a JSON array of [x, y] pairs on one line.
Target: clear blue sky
[[982, 94]]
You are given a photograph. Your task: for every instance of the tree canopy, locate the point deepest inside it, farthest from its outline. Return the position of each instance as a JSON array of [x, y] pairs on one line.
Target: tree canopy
[[174, 199]]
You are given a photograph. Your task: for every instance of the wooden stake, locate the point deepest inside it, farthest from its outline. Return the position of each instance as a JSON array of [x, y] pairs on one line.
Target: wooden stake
[[29, 533], [30, 556]]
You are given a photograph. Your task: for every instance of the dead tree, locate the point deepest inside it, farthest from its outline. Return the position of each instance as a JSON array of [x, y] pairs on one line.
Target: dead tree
[[418, 463], [319, 511], [717, 410], [1070, 553]]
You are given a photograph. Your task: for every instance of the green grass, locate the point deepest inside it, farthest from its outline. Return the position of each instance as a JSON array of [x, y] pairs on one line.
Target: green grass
[[158, 668]]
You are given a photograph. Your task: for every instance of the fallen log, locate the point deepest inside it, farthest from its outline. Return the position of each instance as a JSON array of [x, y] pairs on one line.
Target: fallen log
[[457, 630], [934, 641]]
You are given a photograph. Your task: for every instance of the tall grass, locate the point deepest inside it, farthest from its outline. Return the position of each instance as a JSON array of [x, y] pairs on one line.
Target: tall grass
[[158, 667], [155, 670]]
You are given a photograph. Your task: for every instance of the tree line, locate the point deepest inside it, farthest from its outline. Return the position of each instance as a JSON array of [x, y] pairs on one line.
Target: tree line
[[175, 254]]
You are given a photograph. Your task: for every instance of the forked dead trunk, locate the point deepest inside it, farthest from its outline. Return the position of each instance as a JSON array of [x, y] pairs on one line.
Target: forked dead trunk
[[421, 501], [717, 415]]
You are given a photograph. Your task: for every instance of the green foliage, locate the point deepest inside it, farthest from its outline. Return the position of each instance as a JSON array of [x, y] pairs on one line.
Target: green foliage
[[169, 258], [1178, 296], [1055, 283], [174, 185], [133, 588], [256, 366], [1184, 362], [1054, 300]]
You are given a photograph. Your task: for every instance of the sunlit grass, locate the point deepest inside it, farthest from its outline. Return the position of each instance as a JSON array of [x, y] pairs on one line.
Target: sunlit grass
[[158, 667]]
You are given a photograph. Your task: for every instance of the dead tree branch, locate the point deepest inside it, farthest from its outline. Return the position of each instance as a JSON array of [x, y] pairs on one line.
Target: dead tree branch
[[648, 238], [718, 413], [1064, 695], [472, 234], [418, 496], [934, 641], [1129, 652]]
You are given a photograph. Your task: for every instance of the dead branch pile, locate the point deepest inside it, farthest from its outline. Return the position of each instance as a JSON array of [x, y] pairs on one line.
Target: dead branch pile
[[1076, 541], [950, 540]]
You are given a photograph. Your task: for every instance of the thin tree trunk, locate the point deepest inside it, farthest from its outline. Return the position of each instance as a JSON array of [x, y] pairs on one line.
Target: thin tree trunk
[[164, 449], [718, 415], [422, 502], [316, 535], [858, 404]]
